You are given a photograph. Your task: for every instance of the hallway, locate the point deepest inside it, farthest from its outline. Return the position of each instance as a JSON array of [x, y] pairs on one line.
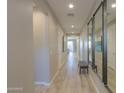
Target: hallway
[[69, 80], [47, 38]]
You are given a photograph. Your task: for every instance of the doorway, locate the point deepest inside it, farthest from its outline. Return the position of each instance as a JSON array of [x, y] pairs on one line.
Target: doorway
[[72, 46]]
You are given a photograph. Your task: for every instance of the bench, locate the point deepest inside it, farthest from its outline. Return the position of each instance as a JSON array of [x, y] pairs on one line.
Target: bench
[[94, 68], [83, 65]]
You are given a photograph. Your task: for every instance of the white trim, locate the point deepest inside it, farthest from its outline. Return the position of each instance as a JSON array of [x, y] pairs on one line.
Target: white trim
[[42, 83], [54, 77], [48, 83], [52, 80], [15, 89], [57, 72]]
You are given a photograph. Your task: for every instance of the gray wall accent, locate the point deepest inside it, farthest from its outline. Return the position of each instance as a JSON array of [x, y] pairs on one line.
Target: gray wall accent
[[20, 67]]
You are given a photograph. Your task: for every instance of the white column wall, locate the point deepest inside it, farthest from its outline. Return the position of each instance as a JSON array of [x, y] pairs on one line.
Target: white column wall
[[84, 45], [51, 39], [41, 49], [81, 47]]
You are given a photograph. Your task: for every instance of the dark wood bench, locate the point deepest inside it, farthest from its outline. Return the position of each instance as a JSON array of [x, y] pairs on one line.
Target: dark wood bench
[[94, 68], [83, 65]]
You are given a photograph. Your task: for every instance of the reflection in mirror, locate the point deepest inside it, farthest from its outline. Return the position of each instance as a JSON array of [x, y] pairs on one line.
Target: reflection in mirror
[[98, 42], [111, 29]]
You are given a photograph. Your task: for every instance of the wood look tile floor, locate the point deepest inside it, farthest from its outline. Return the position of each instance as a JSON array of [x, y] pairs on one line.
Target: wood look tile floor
[[69, 80], [112, 79]]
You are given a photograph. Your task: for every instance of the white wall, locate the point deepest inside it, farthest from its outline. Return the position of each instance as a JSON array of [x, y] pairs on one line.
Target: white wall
[[78, 46], [41, 49], [53, 46], [81, 48], [20, 67], [60, 47], [46, 57]]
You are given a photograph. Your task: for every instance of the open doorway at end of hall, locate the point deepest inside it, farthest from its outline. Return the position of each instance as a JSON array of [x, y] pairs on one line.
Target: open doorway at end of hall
[[73, 45]]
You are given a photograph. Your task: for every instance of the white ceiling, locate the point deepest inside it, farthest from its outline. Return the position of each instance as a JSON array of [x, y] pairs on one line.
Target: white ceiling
[[82, 11]]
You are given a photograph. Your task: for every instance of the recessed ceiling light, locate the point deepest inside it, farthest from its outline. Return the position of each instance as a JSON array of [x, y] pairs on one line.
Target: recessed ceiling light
[[72, 26], [72, 32], [71, 5], [113, 5]]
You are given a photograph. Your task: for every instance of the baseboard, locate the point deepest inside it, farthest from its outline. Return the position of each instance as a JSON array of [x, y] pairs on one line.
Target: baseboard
[[42, 83], [49, 83], [56, 73], [54, 77], [52, 80]]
